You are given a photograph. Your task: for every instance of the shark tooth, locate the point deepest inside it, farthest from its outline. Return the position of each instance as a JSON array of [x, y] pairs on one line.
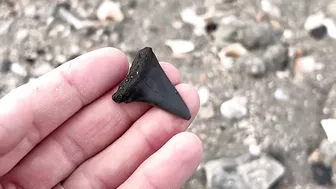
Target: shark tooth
[[147, 82]]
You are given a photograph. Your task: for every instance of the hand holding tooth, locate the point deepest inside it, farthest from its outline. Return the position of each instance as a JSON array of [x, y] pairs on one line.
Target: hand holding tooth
[[63, 130]]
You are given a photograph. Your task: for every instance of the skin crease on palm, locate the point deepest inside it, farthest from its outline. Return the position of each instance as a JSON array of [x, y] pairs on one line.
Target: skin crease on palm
[[65, 128]]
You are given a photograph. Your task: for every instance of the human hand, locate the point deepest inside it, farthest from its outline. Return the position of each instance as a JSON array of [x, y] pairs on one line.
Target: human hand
[[65, 128]]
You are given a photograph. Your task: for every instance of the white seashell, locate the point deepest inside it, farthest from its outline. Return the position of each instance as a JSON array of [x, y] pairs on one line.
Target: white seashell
[[314, 21], [331, 27], [18, 70], [180, 46], [109, 10], [329, 126], [204, 95], [270, 8], [189, 16]]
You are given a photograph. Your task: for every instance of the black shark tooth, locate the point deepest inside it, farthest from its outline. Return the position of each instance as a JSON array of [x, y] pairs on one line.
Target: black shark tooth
[[147, 82]]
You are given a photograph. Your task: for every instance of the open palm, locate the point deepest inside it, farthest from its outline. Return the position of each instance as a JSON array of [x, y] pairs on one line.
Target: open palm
[[64, 131]]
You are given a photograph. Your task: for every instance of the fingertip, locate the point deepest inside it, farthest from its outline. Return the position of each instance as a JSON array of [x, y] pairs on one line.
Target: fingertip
[[107, 59], [190, 147], [114, 54], [177, 159], [191, 98], [172, 72]]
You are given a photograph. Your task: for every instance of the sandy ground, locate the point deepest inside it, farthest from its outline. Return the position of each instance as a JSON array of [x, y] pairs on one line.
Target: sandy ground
[[288, 129]]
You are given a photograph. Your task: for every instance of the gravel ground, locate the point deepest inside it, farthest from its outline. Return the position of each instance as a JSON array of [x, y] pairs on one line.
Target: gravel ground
[[283, 95]]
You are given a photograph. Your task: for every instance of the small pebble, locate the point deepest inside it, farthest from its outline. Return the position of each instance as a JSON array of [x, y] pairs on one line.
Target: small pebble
[[321, 174], [329, 126], [276, 57], [115, 37], [275, 24], [211, 27], [329, 108], [319, 32], [252, 65], [261, 173], [74, 49], [328, 151], [256, 67], [282, 94], [88, 44], [41, 69], [68, 16], [227, 62], [5, 66], [48, 57], [256, 35], [250, 140], [288, 34], [331, 27], [315, 157], [4, 26], [235, 109], [235, 50], [21, 35], [180, 46], [58, 30], [306, 64], [331, 8], [283, 74], [315, 26], [147, 23], [243, 172], [243, 124], [60, 59], [270, 8], [204, 95], [133, 4], [203, 77], [110, 10], [314, 21], [254, 150], [30, 11], [18, 70], [207, 111], [177, 24], [222, 174], [189, 16], [226, 33]]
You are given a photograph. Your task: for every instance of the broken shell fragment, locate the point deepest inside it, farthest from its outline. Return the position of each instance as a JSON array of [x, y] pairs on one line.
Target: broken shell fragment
[[180, 46], [235, 50], [270, 8], [110, 10], [147, 82], [189, 16]]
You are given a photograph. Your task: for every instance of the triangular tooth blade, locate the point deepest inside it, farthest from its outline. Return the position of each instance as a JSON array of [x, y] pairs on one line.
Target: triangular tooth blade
[[147, 82]]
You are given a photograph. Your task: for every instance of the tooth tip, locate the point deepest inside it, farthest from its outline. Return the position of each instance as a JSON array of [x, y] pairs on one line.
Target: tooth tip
[[187, 117]]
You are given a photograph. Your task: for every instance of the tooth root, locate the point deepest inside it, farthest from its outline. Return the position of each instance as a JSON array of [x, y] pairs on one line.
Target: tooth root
[[147, 82]]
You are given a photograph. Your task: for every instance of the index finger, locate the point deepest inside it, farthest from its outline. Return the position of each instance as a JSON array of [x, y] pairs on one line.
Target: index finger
[[50, 100]]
